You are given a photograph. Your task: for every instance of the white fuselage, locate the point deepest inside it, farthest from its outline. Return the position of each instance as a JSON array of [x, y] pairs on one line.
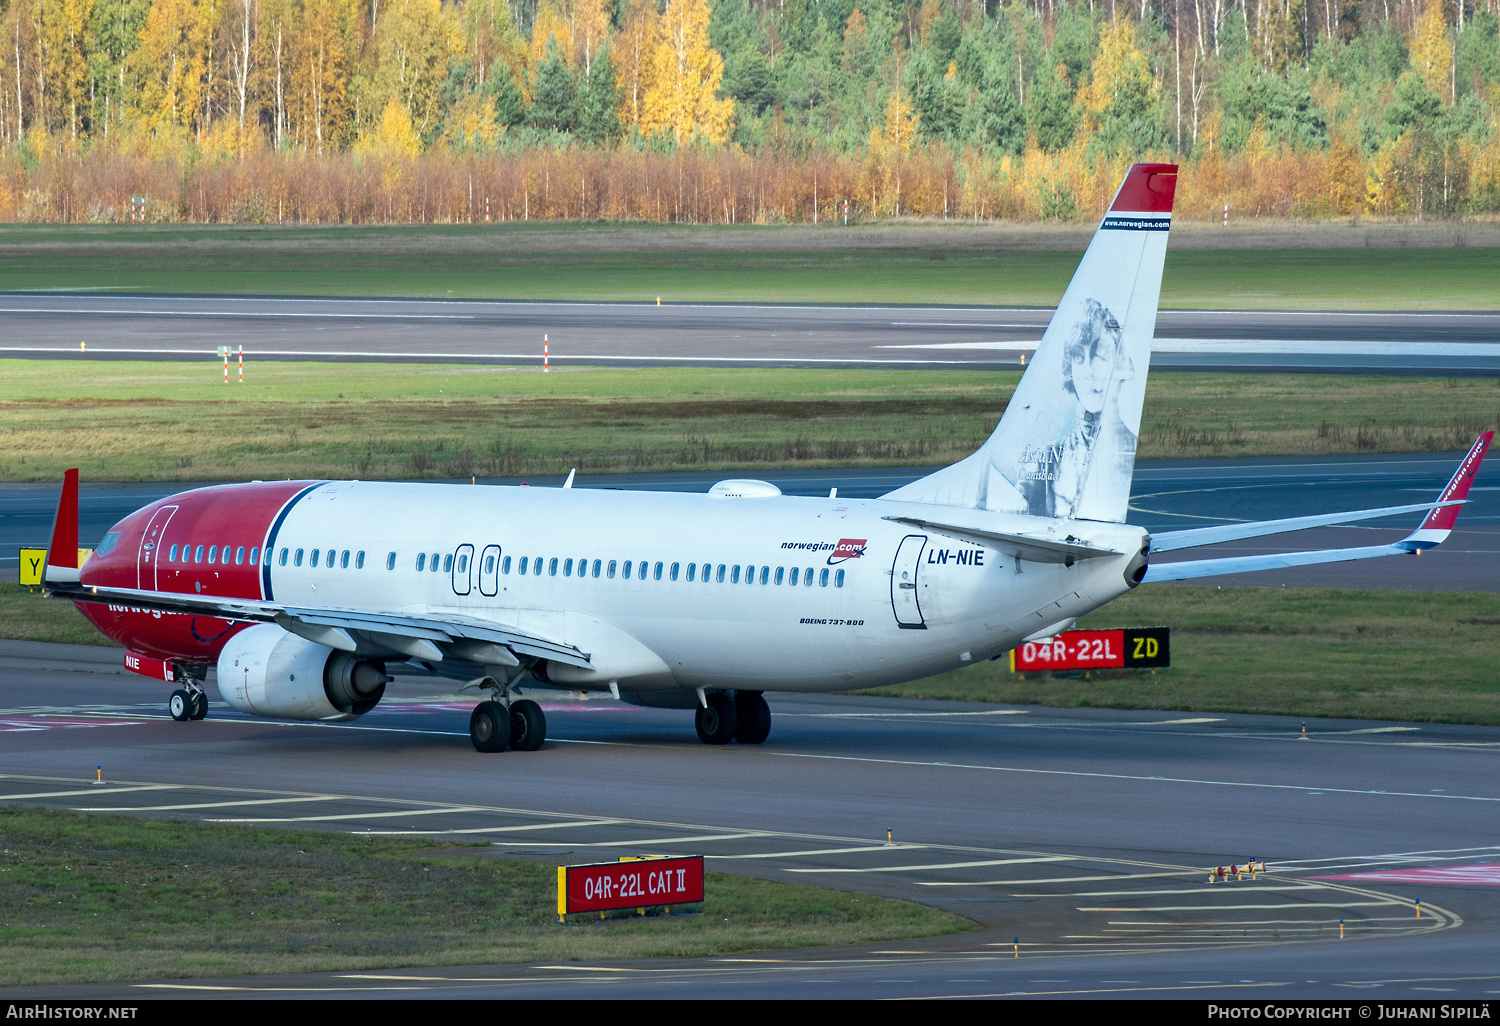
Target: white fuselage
[[854, 626]]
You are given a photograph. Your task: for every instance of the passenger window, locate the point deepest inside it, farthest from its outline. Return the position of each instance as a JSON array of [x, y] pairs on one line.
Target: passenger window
[[625, 570], [434, 562], [344, 560], [489, 564], [823, 578], [734, 574], [198, 554], [390, 561], [749, 575], [536, 566], [568, 568], [838, 579], [297, 558], [359, 560], [611, 572], [421, 561], [172, 556], [793, 579], [765, 574], [255, 556], [283, 557], [447, 563], [314, 560], [597, 565], [525, 562], [674, 570], [807, 578], [463, 564], [211, 550], [505, 565], [780, 574], [721, 573], [239, 555], [552, 567], [692, 568], [656, 575]]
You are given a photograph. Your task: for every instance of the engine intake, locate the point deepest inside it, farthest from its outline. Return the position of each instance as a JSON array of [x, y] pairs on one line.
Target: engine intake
[[267, 671]]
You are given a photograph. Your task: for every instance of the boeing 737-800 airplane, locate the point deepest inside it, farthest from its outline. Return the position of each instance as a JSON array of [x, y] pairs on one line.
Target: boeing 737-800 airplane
[[305, 594]]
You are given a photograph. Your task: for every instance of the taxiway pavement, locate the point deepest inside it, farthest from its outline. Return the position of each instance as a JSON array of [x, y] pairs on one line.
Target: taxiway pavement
[[1087, 834], [113, 326]]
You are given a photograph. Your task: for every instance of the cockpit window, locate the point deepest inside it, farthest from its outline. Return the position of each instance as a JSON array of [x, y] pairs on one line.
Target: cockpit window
[[107, 545]]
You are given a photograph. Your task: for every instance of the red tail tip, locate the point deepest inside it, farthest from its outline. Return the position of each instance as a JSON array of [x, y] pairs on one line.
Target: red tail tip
[[1147, 189]]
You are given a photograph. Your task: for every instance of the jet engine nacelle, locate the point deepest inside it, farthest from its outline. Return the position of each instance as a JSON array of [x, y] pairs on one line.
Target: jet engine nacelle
[[267, 671]]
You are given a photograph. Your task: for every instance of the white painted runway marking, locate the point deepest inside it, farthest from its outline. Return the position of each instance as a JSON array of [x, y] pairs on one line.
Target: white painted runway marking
[[96, 791], [940, 865], [1227, 908], [823, 851], [202, 805]]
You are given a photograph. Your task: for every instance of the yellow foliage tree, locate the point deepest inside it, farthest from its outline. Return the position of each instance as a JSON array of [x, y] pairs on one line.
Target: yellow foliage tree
[[171, 62], [66, 66], [632, 59], [589, 22], [319, 72], [417, 40], [1431, 50], [394, 136], [1120, 82], [685, 73]]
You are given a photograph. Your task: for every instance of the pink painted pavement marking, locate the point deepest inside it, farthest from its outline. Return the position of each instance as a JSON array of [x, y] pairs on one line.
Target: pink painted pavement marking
[[1485, 874]]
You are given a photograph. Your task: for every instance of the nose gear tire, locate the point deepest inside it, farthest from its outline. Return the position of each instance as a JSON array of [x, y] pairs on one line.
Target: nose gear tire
[[180, 705]]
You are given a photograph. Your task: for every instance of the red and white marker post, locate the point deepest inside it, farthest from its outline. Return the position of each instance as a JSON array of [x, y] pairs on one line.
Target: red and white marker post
[[544, 354], [242, 365]]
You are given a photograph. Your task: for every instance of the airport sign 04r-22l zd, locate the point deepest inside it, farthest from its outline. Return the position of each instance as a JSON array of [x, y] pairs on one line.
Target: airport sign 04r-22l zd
[[1128, 648]]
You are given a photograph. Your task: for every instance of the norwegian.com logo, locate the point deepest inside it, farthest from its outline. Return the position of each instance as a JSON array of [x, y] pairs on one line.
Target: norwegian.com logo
[[847, 548]]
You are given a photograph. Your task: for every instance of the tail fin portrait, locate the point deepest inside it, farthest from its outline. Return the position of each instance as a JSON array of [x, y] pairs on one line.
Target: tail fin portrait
[[1066, 444]]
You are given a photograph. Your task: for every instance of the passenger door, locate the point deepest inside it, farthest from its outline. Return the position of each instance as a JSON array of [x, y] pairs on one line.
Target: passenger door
[[489, 570], [904, 601], [463, 570], [151, 541]]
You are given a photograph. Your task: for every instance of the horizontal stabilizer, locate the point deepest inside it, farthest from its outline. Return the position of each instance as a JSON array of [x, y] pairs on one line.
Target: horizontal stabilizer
[[1166, 541], [1433, 530], [1035, 549]]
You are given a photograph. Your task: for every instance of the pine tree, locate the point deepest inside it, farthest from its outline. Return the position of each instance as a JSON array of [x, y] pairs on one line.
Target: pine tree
[[510, 103], [599, 101], [554, 96]]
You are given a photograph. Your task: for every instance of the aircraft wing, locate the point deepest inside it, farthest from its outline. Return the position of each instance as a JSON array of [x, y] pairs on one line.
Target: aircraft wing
[[336, 628], [1433, 531]]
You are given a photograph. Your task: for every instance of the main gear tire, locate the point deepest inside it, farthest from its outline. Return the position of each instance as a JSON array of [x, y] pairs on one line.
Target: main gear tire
[[716, 721], [752, 718], [489, 727], [180, 705], [528, 726], [200, 705]]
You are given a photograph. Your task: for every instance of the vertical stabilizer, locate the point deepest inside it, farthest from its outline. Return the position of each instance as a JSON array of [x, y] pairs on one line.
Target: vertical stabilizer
[[1066, 444]]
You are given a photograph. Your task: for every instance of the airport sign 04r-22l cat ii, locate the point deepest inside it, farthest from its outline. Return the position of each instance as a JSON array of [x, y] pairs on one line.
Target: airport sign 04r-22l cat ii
[[304, 595]]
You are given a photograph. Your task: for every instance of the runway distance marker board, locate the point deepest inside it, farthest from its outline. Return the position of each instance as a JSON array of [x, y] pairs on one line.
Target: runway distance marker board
[[631, 883], [1126, 648]]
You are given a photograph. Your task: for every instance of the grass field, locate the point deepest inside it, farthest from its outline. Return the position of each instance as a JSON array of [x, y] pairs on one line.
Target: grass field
[[109, 898], [1290, 651], [574, 262], [177, 421], [1427, 656]]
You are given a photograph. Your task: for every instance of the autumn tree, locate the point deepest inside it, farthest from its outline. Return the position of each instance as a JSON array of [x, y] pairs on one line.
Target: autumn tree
[[417, 38], [1432, 51], [632, 57], [171, 64], [681, 99], [66, 63], [1118, 99], [319, 81]]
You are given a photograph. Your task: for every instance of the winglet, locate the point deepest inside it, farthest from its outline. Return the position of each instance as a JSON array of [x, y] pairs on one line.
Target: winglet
[[62, 550], [1439, 522]]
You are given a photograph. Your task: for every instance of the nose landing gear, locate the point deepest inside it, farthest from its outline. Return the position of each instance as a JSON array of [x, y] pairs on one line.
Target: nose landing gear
[[188, 703]]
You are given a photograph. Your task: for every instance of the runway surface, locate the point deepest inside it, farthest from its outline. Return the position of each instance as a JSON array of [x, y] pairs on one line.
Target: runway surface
[[1167, 495], [1087, 835], [111, 326]]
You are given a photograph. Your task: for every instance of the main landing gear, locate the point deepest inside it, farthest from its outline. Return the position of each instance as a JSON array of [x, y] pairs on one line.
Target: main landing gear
[[745, 718], [496, 725], [189, 703]]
